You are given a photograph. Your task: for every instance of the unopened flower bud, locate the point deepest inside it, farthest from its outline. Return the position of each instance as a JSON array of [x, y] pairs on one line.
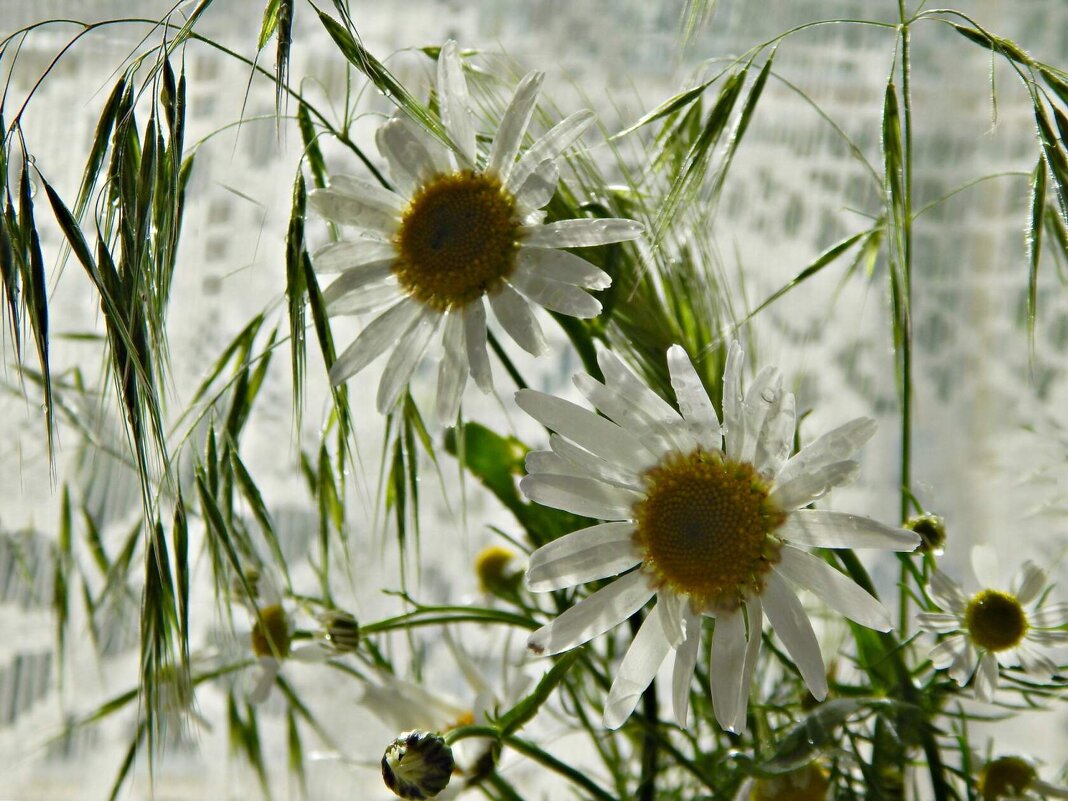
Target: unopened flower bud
[[932, 531], [497, 571], [1005, 777], [418, 764], [341, 631]]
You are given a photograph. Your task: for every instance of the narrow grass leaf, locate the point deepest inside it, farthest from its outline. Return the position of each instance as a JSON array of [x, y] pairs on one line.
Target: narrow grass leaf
[[524, 711], [254, 498], [380, 76], [696, 162], [295, 293], [828, 256], [1034, 247], [1056, 160]]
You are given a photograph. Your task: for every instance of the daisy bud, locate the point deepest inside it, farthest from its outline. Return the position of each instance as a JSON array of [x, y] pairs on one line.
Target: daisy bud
[[932, 531], [341, 630], [1005, 777], [247, 590], [418, 764], [497, 572]]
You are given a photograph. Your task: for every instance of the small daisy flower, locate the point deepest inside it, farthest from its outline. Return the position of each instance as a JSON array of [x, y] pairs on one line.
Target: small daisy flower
[[713, 516], [459, 231], [1011, 777], [993, 626]]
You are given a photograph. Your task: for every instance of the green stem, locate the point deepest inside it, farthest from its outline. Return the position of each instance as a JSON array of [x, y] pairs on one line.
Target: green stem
[[508, 366], [528, 749], [650, 738], [906, 689]]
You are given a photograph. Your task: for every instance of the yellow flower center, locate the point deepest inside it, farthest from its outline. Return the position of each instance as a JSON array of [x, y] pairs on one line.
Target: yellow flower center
[[705, 528], [804, 784], [270, 633], [1005, 777], [995, 620], [457, 240], [492, 566]]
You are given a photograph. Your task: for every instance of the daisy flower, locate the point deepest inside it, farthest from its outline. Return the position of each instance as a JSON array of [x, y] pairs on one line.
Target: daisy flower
[[713, 518], [993, 626], [459, 230]]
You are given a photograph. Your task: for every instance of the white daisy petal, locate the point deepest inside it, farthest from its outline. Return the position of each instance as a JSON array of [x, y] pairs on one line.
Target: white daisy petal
[[621, 380], [947, 653], [581, 556], [1035, 663], [733, 421], [985, 565], [685, 662], [763, 397], [515, 317], [637, 670], [596, 434], [346, 210], [788, 618], [455, 103], [1029, 582], [822, 529], [835, 589], [836, 445], [513, 125], [619, 411], [355, 279], [755, 614], [368, 193], [1046, 790], [367, 299], [340, 256], [947, 592], [539, 188], [803, 489], [312, 653], [1048, 637], [964, 663], [555, 295], [673, 608], [605, 609], [405, 358], [777, 439], [559, 138], [374, 340], [726, 668], [986, 678], [581, 233], [267, 671], [587, 497], [452, 374], [413, 157], [594, 466], [1050, 616], [475, 339], [693, 400], [559, 265], [937, 622]]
